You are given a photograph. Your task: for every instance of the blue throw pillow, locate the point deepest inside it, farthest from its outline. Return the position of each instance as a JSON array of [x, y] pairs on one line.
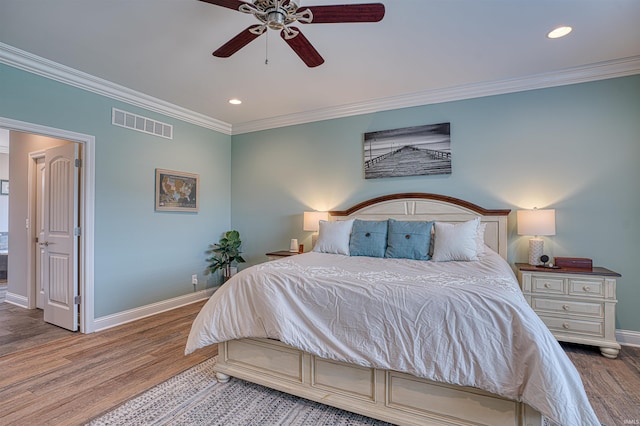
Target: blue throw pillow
[[368, 238], [409, 239]]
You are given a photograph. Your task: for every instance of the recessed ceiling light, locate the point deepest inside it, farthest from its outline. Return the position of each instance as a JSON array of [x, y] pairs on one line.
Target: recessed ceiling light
[[559, 32], [235, 101]]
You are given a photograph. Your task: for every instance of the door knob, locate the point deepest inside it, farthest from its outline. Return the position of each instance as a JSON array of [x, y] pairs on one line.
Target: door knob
[[44, 244]]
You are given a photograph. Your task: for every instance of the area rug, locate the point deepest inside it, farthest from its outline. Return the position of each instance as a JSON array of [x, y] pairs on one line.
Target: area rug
[[194, 397]]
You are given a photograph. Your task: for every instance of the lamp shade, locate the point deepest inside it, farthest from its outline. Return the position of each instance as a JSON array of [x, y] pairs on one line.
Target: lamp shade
[[312, 220], [536, 222]]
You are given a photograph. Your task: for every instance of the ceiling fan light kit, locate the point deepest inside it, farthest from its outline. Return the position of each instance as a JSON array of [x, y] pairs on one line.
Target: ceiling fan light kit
[[280, 14]]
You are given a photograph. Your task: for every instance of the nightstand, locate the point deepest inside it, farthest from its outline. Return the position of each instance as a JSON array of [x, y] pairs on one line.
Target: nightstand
[[577, 305], [275, 255]]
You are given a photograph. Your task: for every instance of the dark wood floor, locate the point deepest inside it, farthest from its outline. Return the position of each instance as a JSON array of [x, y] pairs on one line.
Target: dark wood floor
[[55, 377]]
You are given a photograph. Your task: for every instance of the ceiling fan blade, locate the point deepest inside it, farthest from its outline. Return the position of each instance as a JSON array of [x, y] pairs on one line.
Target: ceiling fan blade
[[240, 41], [303, 48], [230, 4], [366, 12]]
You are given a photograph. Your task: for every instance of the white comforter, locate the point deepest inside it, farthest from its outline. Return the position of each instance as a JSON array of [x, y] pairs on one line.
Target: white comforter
[[463, 323]]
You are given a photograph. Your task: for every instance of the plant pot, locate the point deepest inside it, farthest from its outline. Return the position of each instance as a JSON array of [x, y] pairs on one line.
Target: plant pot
[[229, 271]]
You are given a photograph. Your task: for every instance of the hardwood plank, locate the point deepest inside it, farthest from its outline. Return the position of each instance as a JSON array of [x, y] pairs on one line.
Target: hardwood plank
[[612, 385], [25, 328], [45, 391], [76, 378]]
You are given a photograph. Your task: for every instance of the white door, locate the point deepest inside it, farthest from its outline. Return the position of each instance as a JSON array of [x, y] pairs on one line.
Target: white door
[[60, 242], [39, 222]]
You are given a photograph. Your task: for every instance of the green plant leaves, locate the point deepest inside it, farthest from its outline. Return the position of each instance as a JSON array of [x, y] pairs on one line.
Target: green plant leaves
[[225, 252]]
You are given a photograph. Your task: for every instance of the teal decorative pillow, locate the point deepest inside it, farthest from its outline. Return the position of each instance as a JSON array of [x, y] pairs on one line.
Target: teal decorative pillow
[[368, 238], [409, 239]]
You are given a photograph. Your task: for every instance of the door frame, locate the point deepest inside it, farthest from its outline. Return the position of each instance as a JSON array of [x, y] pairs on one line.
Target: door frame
[[87, 215], [32, 287]]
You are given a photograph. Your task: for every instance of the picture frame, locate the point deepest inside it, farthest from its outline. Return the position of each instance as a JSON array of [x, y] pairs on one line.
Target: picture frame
[[177, 191], [4, 187], [409, 151]]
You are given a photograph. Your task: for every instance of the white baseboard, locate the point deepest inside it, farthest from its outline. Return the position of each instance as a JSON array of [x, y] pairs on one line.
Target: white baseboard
[[16, 299], [628, 337], [124, 317]]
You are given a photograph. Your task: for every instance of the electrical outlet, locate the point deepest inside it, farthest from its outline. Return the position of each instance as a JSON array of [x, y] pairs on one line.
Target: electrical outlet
[[194, 279]]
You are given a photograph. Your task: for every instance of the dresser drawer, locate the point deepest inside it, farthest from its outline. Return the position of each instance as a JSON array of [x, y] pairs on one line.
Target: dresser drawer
[[569, 307], [574, 326], [586, 287], [547, 285]]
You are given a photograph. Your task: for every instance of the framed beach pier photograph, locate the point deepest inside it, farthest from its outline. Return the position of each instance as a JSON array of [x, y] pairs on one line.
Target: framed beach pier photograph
[[177, 191], [409, 151]]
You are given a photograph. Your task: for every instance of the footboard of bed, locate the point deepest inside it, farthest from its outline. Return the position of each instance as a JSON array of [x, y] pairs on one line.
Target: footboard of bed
[[386, 395]]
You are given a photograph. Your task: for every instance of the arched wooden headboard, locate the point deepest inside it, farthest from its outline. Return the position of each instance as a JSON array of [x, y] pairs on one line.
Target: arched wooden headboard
[[435, 207]]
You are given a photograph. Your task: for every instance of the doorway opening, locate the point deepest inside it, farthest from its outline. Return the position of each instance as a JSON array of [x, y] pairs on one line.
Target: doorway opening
[[23, 294]]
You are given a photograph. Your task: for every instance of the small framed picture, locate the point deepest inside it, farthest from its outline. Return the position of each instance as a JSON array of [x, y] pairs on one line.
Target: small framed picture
[[4, 187], [177, 191]]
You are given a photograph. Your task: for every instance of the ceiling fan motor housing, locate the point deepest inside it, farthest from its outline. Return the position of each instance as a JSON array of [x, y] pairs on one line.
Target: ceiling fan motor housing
[[276, 20]]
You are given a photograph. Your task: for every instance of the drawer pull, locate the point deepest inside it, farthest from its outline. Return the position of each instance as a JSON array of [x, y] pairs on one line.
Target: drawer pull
[[565, 325], [586, 288], [547, 285], [565, 307]]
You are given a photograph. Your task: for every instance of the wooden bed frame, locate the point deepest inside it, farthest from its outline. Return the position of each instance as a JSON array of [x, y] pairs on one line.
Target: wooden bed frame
[[382, 394]]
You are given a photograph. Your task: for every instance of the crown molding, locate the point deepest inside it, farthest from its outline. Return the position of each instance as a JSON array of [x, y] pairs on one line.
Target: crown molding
[[592, 72], [598, 71], [34, 64]]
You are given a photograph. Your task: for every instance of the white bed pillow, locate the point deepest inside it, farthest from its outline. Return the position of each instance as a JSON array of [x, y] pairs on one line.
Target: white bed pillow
[[456, 242], [334, 237]]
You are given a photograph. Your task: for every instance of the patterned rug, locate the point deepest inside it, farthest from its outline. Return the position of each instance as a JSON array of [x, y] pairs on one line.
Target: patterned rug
[[194, 397]]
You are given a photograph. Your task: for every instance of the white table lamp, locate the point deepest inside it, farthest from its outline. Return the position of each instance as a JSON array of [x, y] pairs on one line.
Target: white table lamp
[[312, 223], [536, 222]]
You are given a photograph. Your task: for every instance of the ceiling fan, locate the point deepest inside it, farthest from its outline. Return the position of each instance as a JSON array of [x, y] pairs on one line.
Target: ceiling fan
[[280, 14]]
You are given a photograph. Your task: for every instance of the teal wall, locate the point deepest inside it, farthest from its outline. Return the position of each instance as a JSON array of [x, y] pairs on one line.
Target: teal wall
[[141, 256], [573, 148]]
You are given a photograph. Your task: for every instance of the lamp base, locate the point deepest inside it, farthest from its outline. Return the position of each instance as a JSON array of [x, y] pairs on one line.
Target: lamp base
[[536, 247]]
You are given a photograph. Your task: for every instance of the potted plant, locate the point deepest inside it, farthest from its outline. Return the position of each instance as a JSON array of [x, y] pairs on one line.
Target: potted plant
[[225, 253]]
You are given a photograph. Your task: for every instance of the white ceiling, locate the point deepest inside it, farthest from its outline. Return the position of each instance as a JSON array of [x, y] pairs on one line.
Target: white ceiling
[[423, 48]]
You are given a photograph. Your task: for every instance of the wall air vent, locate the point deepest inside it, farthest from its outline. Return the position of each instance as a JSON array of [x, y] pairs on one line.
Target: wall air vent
[[141, 124]]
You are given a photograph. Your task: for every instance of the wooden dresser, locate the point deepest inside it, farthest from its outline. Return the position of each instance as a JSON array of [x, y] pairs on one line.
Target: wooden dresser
[[281, 254], [578, 305]]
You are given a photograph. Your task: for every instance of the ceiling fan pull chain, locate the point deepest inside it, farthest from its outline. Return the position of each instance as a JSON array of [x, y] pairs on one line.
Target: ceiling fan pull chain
[[266, 49]]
